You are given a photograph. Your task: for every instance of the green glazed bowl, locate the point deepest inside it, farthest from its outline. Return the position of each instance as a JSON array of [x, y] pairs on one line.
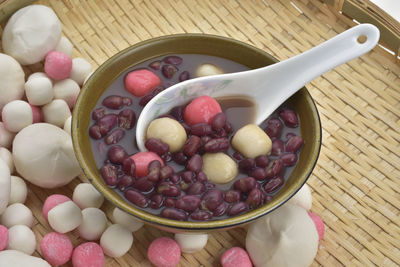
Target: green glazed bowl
[[245, 54]]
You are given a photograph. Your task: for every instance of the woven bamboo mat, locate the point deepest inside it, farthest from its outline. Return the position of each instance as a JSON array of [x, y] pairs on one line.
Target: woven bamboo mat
[[356, 183]]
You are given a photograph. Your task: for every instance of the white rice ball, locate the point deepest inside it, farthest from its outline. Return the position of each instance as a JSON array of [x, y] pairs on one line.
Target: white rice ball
[[81, 68], [65, 46], [67, 90], [12, 80], [16, 115], [39, 91], [19, 190], [56, 112]]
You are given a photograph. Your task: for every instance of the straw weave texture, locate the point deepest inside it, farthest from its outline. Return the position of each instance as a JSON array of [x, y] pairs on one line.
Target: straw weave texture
[[356, 183]]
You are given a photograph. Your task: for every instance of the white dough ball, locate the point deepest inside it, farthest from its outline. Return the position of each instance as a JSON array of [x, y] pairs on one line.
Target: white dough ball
[[56, 112], [6, 137], [67, 90], [191, 243], [31, 33], [65, 46], [94, 222], [285, 237], [43, 155], [127, 220], [16, 115], [302, 198], [81, 68], [17, 214], [5, 185], [38, 75], [12, 80], [65, 217], [21, 238], [169, 131], [7, 157], [67, 125], [39, 91], [19, 190], [251, 141], [116, 241], [207, 70], [17, 258], [85, 196], [219, 167]]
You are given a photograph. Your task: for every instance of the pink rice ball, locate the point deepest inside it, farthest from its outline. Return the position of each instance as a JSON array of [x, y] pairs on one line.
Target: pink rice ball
[[319, 224], [3, 237], [88, 254], [141, 82], [235, 257], [57, 65], [142, 161], [56, 248], [37, 115], [51, 202], [164, 252]]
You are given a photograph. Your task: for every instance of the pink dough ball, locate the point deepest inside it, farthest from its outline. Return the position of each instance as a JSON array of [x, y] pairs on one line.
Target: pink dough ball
[[51, 202], [57, 65], [141, 82], [142, 161], [235, 257], [164, 252], [56, 248], [37, 116], [3, 237], [201, 109], [88, 254], [319, 224]]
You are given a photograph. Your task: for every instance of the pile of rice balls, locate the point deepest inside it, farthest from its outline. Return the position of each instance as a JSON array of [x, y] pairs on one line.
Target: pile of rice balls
[[36, 146]]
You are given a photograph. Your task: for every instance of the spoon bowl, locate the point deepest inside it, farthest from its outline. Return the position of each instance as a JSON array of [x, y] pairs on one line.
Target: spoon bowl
[[269, 84]]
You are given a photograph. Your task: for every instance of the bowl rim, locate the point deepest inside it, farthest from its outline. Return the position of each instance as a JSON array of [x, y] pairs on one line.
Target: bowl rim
[[156, 220]]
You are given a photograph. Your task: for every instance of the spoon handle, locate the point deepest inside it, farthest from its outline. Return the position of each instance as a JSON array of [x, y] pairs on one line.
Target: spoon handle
[[288, 76]]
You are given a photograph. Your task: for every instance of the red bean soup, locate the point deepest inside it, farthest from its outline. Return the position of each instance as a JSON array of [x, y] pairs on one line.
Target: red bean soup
[[178, 188]]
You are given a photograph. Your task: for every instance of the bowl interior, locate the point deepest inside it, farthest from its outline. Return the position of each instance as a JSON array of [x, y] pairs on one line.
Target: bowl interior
[[191, 44]]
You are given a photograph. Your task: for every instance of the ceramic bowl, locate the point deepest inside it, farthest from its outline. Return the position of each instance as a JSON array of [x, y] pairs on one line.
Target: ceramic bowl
[[191, 44]]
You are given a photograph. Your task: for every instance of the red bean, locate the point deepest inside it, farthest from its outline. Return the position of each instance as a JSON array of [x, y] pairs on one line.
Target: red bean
[[156, 201], [127, 101], [201, 129], [289, 159], [217, 145], [113, 102], [262, 161], [174, 60], [255, 198], [128, 166], [247, 164], [98, 113], [274, 128], [221, 209], [179, 158], [211, 199], [201, 215], [186, 127], [201, 177], [94, 132], [106, 123], [219, 121], [166, 172], [116, 154], [277, 147], [184, 76], [146, 99], [174, 214], [125, 182], [289, 135], [169, 202], [275, 168], [289, 117], [126, 119], [209, 185], [166, 157], [191, 146], [188, 203], [228, 127], [143, 184], [154, 171], [232, 196], [168, 189], [177, 113], [175, 178], [110, 174], [195, 163], [294, 144], [155, 65], [188, 176], [136, 198], [114, 137], [236, 155], [273, 184], [238, 208], [157, 146], [196, 188], [258, 173], [245, 184], [219, 133], [168, 70]]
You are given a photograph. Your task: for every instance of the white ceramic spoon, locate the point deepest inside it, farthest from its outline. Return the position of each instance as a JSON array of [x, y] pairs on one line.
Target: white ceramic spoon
[[269, 86]]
